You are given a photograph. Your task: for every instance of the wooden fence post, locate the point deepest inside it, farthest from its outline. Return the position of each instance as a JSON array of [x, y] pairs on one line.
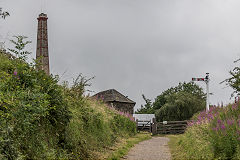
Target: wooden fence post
[[150, 127], [154, 126], [137, 124]]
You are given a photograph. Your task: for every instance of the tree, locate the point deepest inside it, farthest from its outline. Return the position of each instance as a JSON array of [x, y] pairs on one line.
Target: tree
[[147, 108], [3, 14], [190, 87], [180, 106], [234, 80], [180, 102]]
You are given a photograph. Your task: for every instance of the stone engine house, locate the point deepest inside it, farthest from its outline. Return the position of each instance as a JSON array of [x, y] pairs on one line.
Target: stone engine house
[[117, 100]]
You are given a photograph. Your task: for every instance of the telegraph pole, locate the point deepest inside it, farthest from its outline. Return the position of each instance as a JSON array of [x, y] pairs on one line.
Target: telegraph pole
[[206, 80]]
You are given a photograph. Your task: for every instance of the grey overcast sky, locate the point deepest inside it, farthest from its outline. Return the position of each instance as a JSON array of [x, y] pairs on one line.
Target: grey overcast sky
[[135, 46]]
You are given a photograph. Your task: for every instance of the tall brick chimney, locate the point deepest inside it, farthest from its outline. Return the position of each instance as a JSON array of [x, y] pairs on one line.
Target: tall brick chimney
[[42, 43]]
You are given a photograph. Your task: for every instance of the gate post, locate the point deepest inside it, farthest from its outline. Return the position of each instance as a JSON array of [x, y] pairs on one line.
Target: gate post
[[137, 124], [154, 126]]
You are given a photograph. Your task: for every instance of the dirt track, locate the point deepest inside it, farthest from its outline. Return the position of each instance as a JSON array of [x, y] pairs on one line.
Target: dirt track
[[153, 149]]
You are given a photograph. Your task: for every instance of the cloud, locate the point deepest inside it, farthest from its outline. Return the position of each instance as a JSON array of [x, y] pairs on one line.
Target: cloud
[[138, 46]]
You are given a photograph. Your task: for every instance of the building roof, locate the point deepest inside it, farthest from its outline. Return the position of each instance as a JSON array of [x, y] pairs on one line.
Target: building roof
[[112, 95], [144, 117]]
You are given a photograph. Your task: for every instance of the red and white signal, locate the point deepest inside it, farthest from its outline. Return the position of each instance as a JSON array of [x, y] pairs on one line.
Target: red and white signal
[[206, 80], [198, 79]]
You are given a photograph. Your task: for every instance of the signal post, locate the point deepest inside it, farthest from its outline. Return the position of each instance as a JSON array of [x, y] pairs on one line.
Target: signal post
[[206, 80]]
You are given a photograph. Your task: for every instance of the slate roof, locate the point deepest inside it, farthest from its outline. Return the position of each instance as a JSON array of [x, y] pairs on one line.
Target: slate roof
[[112, 95]]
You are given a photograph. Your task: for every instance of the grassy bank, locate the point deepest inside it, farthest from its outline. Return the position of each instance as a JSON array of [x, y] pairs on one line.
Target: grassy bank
[[95, 129], [188, 147], [41, 119], [211, 135]]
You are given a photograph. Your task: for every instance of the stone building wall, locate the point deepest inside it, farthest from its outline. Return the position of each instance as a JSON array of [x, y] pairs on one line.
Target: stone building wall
[[123, 107]]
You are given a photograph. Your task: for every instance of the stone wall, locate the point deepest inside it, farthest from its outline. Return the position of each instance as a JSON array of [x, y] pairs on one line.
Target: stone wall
[[123, 107]]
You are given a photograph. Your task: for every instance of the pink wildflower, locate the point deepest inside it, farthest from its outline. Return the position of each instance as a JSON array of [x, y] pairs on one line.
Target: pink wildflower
[[15, 73], [219, 121], [229, 122], [223, 127]]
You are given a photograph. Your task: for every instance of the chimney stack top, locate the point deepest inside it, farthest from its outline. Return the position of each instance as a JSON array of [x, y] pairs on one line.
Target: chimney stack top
[[42, 15]]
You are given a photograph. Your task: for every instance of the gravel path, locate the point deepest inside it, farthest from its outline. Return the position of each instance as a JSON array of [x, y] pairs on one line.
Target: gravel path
[[153, 149]]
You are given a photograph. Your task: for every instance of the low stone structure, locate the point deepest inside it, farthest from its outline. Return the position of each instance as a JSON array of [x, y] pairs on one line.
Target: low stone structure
[[117, 100]]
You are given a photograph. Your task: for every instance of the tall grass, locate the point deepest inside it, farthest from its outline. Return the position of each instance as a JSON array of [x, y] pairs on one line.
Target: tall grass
[[211, 135], [94, 127]]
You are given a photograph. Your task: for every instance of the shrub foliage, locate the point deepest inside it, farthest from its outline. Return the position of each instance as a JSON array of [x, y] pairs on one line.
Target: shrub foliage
[[147, 108], [40, 119], [33, 111], [234, 80], [217, 130], [180, 106], [176, 103], [179, 103]]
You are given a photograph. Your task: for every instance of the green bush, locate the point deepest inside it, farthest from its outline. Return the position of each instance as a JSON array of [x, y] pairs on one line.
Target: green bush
[[225, 132], [217, 130], [94, 127], [190, 88], [179, 106], [33, 112], [40, 119]]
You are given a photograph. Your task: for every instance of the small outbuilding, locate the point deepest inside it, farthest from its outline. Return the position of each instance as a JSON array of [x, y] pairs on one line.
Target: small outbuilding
[[144, 117], [117, 100]]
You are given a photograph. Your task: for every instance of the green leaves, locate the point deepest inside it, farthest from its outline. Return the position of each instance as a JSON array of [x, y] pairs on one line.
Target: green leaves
[[190, 87], [179, 103], [234, 80], [176, 103], [32, 103], [20, 45], [35, 113], [147, 108]]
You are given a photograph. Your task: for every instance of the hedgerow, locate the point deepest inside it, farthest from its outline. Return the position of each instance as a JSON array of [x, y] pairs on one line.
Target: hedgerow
[[40, 119], [33, 112]]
